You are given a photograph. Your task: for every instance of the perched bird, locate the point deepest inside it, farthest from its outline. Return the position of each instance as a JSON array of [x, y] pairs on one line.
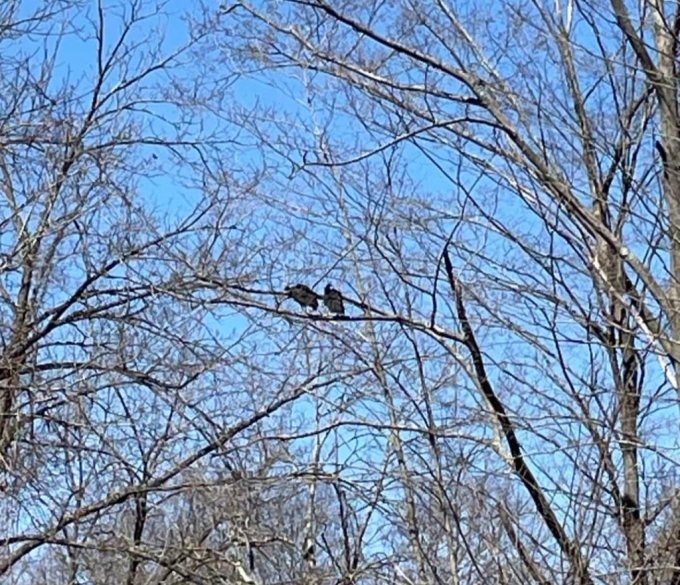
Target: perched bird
[[333, 300], [308, 552], [303, 296]]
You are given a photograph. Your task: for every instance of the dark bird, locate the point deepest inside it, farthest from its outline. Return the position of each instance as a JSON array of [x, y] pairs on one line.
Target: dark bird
[[308, 553], [333, 300], [303, 296]]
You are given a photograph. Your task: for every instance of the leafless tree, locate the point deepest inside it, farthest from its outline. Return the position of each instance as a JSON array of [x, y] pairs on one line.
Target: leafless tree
[[135, 390], [499, 186], [494, 191]]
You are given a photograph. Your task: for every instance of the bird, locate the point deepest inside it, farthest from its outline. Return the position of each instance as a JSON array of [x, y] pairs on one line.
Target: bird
[[303, 295], [332, 298]]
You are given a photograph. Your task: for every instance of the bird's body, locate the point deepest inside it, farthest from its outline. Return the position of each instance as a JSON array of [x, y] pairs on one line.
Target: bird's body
[[303, 296], [332, 299]]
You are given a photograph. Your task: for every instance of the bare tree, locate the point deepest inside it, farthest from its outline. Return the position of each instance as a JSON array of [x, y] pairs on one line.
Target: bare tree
[[498, 186], [130, 390], [492, 189]]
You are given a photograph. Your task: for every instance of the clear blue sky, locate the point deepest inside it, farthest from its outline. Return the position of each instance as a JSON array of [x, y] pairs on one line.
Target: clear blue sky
[[79, 59], [77, 62]]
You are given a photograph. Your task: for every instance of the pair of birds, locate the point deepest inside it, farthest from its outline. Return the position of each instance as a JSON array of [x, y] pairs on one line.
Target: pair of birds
[[306, 297]]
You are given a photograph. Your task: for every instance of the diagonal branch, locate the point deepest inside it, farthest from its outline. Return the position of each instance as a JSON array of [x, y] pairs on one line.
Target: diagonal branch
[[520, 466]]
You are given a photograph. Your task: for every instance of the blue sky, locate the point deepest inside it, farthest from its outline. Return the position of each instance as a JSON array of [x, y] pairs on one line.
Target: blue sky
[[167, 192]]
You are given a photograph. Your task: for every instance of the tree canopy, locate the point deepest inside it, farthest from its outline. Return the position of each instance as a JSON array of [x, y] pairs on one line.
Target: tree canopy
[[488, 395]]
